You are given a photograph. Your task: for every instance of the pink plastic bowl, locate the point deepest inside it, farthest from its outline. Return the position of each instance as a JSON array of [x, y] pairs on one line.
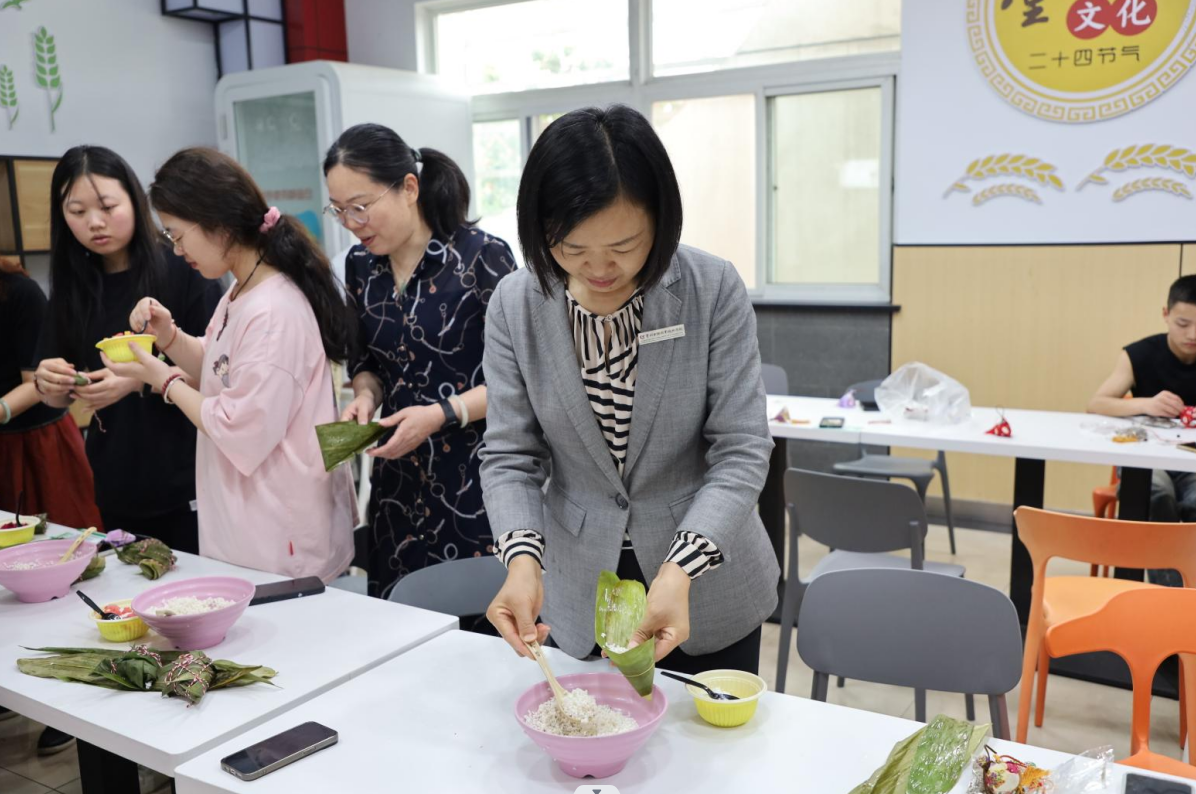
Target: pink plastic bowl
[[595, 756], [195, 632], [42, 584]]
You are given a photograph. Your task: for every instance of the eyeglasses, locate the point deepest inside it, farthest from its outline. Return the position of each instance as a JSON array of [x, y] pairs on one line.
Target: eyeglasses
[[177, 241], [358, 213]]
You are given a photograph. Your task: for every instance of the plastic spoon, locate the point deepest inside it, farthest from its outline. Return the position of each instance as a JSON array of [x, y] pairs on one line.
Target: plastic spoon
[[95, 608], [685, 680]]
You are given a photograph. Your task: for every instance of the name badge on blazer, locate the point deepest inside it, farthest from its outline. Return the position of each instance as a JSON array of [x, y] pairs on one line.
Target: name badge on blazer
[[661, 334]]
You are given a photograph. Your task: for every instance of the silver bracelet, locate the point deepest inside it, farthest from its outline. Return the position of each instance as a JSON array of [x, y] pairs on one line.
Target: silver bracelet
[[7, 411]]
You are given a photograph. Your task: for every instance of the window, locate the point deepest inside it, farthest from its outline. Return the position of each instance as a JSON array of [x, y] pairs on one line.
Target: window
[[704, 35], [533, 44], [826, 166], [777, 115], [712, 143], [498, 162]]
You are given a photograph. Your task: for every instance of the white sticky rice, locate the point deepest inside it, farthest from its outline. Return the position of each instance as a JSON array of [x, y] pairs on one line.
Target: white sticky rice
[[589, 717], [190, 605]]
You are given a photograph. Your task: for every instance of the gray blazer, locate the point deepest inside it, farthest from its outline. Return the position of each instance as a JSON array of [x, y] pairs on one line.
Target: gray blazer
[[696, 460]]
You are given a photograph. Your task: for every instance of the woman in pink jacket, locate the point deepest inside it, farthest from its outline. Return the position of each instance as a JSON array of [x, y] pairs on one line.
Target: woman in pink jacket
[[262, 370]]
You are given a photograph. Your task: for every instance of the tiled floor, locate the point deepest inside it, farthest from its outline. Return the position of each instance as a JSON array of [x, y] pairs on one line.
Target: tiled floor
[[1079, 716]]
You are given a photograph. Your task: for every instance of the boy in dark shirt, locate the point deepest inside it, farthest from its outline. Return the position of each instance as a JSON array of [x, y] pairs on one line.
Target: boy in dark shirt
[[1160, 374]]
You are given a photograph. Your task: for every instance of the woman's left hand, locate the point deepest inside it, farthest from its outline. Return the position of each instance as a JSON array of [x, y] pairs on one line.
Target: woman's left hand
[[667, 613], [412, 426], [106, 388], [146, 369]]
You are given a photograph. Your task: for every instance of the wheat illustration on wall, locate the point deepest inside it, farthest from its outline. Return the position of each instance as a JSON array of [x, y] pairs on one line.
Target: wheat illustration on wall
[[1163, 184], [1008, 189], [8, 95], [47, 70], [1146, 155], [1009, 165]]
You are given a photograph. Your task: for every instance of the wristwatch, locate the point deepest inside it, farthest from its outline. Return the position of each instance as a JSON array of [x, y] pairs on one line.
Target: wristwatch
[[450, 416]]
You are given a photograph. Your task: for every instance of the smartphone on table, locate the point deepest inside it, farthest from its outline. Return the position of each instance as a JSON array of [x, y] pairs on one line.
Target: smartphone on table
[[272, 754], [291, 588], [1141, 784]]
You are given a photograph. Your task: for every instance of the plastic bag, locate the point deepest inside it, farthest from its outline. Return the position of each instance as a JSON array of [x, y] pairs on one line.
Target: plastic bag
[[922, 393], [1087, 773]]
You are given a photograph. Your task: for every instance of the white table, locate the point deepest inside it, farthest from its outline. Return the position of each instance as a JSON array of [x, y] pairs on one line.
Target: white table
[[1038, 437], [441, 718], [314, 643]]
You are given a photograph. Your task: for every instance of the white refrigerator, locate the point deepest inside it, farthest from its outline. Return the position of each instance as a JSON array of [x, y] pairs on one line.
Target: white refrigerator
[[279, 123]]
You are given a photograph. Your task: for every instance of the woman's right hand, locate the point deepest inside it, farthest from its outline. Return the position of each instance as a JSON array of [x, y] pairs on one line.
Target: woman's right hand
[[361, 410], [514, 610], [149, 316], [55, 377]]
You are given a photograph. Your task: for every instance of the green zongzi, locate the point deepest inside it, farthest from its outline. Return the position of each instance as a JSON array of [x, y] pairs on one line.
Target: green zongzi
[[618, 612], [340, 441]]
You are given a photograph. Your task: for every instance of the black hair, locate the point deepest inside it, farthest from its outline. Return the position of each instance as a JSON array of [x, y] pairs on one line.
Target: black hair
[[76, 276], [581, 164], [1183, 290], [206, 187], [379, 153]]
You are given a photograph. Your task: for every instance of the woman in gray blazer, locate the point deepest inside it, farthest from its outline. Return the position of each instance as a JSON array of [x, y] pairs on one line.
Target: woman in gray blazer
[[626, 415]]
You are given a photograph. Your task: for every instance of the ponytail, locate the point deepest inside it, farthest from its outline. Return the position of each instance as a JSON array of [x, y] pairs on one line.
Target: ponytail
[[211, 189], [379, 153]]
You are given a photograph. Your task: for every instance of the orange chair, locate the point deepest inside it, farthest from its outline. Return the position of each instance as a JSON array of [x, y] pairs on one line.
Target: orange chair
[[1104, 505], [1143, 627], [1056, 600]]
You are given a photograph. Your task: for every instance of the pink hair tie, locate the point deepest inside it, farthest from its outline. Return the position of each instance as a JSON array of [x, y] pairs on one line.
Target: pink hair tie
[[271, 218]]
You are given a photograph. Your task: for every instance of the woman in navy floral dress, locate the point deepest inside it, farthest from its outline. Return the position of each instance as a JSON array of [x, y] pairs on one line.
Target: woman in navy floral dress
[[420, 280]]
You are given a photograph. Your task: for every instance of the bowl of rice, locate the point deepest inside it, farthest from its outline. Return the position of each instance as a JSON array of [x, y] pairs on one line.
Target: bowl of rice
[[33, 573], [194, 614], [615, 722]]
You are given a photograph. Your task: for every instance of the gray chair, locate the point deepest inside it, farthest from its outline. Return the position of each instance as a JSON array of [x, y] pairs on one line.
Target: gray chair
[[861, 520], [917, 470], [776, 380], [457, 587], [916, 629]]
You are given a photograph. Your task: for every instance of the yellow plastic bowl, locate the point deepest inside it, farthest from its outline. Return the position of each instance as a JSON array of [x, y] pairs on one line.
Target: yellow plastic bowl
[[122, 629], [728, 713], [117, 347], [17, 535]]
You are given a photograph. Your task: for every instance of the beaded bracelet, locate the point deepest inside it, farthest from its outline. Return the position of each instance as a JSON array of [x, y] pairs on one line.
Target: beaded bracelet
[[166, 387]]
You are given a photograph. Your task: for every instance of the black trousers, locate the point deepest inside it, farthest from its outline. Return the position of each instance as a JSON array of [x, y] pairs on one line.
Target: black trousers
[[743, 654], [178, 529]]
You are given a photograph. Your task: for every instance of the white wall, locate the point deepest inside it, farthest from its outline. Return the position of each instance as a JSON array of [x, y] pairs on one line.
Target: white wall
[[381, 33], [132, 79], [948, 116]]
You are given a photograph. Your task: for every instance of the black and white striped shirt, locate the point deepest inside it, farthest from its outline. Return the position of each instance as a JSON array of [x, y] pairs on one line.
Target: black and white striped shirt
[[607, 353]]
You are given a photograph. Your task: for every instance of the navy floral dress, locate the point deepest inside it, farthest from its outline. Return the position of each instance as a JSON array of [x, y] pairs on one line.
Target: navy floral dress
[[425, 345]]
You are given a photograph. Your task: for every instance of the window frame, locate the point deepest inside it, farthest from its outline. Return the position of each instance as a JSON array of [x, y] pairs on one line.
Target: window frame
[[764, 82]]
